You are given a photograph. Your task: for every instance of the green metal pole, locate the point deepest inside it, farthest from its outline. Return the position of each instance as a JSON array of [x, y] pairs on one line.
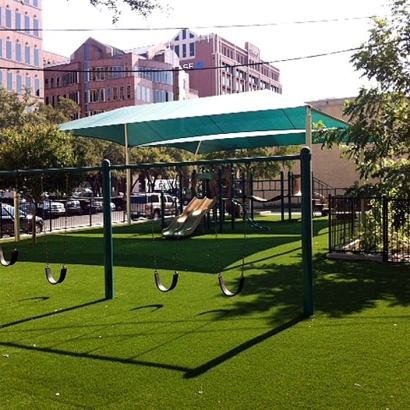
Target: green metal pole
[[108, 242], [307, 230]]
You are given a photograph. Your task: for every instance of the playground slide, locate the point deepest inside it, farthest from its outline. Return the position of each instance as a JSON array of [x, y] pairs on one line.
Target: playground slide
[[185, 224]]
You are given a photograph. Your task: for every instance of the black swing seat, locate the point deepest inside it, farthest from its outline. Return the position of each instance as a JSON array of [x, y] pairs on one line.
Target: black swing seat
[[50, 277], [161, 287], [13, 260], [226, 291]]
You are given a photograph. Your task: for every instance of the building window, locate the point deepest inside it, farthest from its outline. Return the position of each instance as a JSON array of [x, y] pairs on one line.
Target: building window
[[35, 3], [35, 28], [37, 87], [1, 46], [192, 49], [27, 54], [27, 24], [37, 57], [183, 34], [176, 49], [18, 21], [9, 81], [122, 92], [108, 93], [19, 85], [27, 1], [28, 81], [8, 50], [183, 50], [1, 78], [18, 52], [115, 93], [8, 18], [129, 92]]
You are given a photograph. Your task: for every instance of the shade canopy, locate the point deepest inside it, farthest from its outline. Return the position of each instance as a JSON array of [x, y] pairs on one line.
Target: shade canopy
[[235, 121]]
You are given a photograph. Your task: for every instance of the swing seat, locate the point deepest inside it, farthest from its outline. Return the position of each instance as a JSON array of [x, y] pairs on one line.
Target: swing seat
[[50, 277], [226, 291], [161, 287], [13, 260]]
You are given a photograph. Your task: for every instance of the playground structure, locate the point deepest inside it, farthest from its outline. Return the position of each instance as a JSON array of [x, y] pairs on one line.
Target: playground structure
[[306, 188], [185, 224]]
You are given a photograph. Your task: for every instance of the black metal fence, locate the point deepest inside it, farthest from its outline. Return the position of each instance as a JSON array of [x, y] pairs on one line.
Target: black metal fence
[[370, 226]]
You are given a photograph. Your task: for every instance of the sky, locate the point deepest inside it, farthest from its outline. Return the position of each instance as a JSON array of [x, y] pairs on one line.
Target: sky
[[288, 33]]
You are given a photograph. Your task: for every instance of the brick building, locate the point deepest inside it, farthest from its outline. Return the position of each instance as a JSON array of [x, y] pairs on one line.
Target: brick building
[[216, 66], [99, 77], [21, 46]]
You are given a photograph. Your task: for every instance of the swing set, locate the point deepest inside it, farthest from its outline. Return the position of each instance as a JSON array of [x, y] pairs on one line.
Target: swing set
[[106, 170]]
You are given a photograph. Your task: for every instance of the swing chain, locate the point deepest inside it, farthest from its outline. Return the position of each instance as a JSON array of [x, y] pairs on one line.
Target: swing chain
[[154, 247], [177, 255]]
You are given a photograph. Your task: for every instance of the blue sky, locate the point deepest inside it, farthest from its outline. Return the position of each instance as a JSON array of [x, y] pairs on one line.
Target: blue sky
[[282, 30]]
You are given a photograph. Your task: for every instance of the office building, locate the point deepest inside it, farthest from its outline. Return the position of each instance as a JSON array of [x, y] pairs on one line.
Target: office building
[[99, 77], [216, 66], [21, 46]]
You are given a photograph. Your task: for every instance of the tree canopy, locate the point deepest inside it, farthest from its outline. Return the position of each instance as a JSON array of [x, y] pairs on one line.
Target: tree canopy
[[378, 141], [142, 7]]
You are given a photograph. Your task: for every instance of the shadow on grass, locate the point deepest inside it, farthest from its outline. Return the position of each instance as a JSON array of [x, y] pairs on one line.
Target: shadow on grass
[[198, 371], [188, 373], [53, 313]]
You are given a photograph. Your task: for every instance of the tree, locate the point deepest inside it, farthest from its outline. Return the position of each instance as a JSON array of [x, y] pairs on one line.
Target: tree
[[30, 139], [378, 140], [266, 170], [142, 7]]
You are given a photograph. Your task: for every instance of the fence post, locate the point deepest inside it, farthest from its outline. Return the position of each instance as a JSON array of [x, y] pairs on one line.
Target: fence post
[[307, 229], [385, 222], [108, 242]]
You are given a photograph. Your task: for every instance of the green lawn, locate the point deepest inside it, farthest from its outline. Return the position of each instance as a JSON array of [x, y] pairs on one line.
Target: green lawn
[[65, 347]]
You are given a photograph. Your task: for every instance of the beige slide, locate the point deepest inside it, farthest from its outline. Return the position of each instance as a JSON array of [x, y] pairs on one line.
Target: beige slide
[[185, 224]]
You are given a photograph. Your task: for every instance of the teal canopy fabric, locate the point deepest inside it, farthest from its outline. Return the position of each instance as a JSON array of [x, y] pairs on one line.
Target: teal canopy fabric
[[234, 121]]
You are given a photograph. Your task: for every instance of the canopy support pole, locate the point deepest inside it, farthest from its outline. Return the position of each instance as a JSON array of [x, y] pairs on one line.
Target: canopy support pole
[[108, 242], [309, 127], [127, 175], [197, 149], [307, 230]]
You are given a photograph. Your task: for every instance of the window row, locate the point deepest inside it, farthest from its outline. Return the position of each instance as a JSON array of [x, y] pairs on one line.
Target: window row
[[33, 3], [19, 53], [15, 82], [107, 73], [68, 78], [110, 94], [156, 76], [19, 22], [55, 99]]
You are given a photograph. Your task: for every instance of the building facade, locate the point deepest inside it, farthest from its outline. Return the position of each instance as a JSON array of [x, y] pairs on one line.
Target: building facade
[[100, 78], [21, 46], [217, 66]]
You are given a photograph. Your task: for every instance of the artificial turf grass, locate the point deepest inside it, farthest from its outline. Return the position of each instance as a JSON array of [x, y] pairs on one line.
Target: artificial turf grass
[[193, 348]]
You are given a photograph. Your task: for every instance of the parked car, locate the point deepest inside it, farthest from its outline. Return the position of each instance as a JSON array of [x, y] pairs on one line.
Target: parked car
[[50, 209], [7, 217], [89, 205], [73, 207], [148, 205]]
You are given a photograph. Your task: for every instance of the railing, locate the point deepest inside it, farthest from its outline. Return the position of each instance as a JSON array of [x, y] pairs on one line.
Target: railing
[[370, 226]]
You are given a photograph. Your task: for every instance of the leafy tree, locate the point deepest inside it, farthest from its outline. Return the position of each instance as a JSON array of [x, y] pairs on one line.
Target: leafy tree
[[142, 7], [30, 139], [257, 169], [13, 108], [378, 140]]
